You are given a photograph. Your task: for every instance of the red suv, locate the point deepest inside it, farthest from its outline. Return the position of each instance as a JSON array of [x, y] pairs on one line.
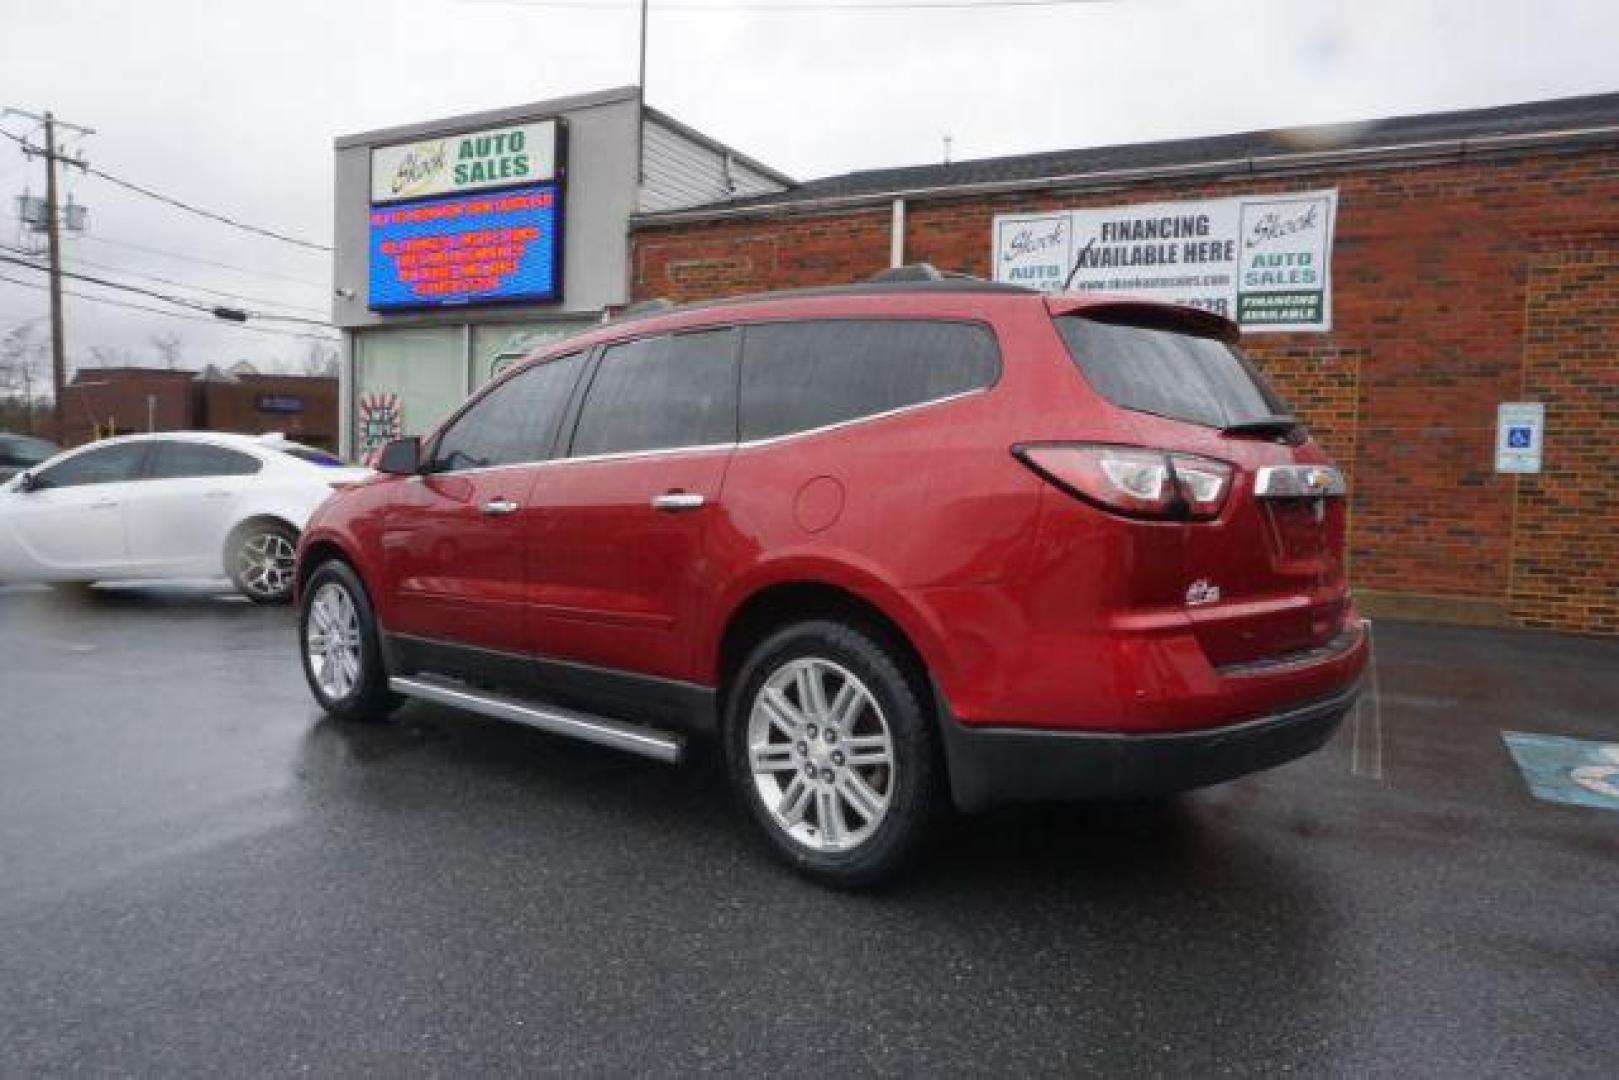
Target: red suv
[[891, 543]]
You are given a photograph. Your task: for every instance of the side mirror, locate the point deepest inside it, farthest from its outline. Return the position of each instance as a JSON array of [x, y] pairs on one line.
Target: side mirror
[[28, 482], [402, 457]]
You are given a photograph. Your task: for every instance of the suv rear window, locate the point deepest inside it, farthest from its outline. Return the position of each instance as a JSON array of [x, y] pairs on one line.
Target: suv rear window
[[1168, 373], [798, 376]]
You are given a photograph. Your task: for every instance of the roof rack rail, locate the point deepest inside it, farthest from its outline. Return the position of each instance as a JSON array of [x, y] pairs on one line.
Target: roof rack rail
[[919, 271], [648, 307]]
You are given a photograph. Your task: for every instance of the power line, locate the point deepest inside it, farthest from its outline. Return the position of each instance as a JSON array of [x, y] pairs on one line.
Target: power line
[[50, 124], [200, 212], [130, 185], [197, 288], [766, 6], [81, 261], [165, 253], [168, 314], [9, 173], [205, 262], [11, 327], [178, 301], [227, 314]]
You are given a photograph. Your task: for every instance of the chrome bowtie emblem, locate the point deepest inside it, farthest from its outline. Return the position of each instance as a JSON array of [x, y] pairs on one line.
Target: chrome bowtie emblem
[[1317, 480], [1202, 591]]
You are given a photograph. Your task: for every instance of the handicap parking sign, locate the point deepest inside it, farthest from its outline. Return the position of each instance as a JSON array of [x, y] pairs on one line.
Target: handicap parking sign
[[1518, 431], [1573, 771]]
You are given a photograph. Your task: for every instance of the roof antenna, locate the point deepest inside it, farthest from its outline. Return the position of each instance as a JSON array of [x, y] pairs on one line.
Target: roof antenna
[[947, 141]]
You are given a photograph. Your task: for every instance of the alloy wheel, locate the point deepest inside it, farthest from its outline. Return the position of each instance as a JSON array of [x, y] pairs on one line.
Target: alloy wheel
[[264, 564], [332, 641], [821, 754]]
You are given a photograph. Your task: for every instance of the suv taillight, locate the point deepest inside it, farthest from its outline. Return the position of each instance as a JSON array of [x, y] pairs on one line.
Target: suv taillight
[[1132, 480]]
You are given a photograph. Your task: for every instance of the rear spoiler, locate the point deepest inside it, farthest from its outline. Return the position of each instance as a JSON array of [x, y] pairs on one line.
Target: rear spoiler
[[1147, 314]]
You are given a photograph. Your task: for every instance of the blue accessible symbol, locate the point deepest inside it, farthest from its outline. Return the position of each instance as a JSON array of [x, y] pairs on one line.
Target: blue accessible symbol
[[1518, 438], [1564, 770]]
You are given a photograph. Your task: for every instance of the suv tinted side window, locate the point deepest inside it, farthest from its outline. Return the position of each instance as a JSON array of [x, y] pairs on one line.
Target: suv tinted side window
[[513, 423], [174, 460], [102, 465], [797, 376], [659, 393]]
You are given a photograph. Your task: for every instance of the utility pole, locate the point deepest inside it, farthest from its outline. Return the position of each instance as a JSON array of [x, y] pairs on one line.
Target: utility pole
[[58, 331], [53, 227]]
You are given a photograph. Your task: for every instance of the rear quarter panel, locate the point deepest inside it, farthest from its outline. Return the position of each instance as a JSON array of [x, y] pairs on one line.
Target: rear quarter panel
[[899, 509]]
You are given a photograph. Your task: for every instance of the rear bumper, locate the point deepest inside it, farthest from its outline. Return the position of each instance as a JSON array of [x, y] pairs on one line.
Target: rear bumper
[[990, 766]]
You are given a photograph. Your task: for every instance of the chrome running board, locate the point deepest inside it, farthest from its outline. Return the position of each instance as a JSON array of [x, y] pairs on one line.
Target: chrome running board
[[616, 734]]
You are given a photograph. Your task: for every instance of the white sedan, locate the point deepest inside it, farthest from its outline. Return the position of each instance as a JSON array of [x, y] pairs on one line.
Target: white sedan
[[174, 504]]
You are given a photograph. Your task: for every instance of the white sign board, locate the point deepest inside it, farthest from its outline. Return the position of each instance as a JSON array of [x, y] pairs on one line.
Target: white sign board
[[1520, 428], [496, 157], [1264, 261]]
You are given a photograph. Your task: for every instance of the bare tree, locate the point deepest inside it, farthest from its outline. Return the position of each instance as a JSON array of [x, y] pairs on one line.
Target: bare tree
[[112, 356], [319, 359], [168, 346], [24, 360]]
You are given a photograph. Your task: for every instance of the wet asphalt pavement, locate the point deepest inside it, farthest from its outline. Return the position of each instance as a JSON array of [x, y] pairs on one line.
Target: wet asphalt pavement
[[201, 876]]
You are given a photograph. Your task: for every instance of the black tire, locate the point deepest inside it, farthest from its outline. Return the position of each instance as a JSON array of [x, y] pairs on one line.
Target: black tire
[[913, 782], [367, 696], [259, 560]]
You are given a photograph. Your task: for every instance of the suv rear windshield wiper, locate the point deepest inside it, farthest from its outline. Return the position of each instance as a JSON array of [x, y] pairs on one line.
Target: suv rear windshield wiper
[[1262, 427]]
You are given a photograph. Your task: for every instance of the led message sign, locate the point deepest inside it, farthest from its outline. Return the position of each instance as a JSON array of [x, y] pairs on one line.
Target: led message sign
[[467, 249]]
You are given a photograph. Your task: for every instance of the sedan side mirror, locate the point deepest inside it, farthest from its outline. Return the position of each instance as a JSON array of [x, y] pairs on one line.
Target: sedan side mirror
[[401, 457], [28, 482]]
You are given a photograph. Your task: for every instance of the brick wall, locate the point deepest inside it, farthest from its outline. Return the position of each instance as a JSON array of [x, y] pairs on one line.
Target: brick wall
[[1565, 546], [103, 401], [114, 401], [237, 406], [1456, 286]]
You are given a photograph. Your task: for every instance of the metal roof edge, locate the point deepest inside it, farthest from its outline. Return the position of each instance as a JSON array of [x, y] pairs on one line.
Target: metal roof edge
[[689, 132], [451, 125], [1409, 154]]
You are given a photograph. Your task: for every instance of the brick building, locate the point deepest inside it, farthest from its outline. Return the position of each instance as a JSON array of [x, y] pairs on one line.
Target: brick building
[[123, 400], [1475, 261]]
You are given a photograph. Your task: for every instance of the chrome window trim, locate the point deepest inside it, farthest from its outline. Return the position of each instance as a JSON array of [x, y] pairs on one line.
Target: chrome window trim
[[750, 444], [711, 447], [884, 415], [478, 471], [625, 455]]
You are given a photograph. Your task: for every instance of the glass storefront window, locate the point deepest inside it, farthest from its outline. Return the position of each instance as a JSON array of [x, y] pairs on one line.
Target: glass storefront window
[[496, 346], [406, 381]]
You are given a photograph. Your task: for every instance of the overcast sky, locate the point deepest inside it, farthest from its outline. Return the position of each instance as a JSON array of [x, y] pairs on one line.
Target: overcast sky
[[233, 105]]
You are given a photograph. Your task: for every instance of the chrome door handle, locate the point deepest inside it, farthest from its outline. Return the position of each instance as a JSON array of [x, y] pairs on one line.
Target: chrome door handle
[[673, 501], [499, 506], [105, 504], [216, 495]]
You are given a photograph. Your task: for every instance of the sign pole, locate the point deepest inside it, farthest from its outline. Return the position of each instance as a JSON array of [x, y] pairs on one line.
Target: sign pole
[[640, 107]]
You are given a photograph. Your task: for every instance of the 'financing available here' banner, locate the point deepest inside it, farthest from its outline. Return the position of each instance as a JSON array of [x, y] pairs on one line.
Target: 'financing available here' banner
[[1264, 261]]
